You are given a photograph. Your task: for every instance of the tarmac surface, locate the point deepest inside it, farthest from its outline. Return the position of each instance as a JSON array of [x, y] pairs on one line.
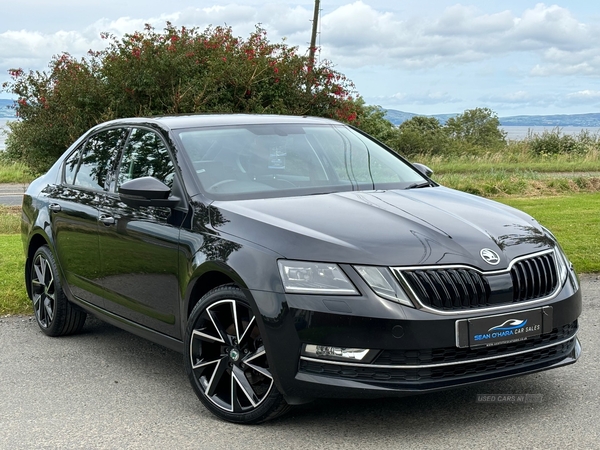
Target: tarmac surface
[[107, 389], [12, 194]]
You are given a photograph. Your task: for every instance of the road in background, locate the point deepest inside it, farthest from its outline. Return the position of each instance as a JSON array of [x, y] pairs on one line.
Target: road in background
[[108, 389], [12, 194]]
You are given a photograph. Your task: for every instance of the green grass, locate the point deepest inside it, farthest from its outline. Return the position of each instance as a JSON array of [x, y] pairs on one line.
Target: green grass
[[574, 220], [13, 297], [516, 171], [14, 173], [10, 219], [499, 183], [514, 158]]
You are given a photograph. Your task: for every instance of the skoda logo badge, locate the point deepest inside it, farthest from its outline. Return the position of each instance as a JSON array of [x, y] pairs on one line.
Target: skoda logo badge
[[234, 354], [490, 256]]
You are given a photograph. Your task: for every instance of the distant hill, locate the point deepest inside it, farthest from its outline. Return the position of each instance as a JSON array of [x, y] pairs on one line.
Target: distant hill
[[397, 117], [557, 120]]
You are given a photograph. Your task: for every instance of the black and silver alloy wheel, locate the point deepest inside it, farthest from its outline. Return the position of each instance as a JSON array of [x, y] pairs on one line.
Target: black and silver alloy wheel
[[55, 315], [226, 359], [43, 290]]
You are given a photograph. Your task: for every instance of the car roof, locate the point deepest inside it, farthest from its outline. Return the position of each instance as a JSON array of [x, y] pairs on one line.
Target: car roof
[[212, 120]]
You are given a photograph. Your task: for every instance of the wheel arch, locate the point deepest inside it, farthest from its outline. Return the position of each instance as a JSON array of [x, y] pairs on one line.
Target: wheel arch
[[207, 277]]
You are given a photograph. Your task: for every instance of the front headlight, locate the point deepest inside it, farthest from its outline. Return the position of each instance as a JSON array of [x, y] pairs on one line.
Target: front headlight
[[383, 283], [301, 277], [562, 263]]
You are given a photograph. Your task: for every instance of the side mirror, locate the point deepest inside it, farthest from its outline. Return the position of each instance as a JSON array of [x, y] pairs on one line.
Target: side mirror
[[423, 169], [147, 191]]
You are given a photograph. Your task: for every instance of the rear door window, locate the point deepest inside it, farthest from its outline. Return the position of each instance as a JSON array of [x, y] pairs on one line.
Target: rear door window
[[90, 166]]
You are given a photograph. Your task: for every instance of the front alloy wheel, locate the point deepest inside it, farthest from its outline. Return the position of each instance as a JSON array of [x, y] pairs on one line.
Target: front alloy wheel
[[226, 359]]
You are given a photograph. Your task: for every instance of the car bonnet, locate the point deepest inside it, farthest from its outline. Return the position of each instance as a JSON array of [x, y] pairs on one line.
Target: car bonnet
[[392, 228]]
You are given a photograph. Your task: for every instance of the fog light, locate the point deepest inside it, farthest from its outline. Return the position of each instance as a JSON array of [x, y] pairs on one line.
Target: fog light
[[324, 351]]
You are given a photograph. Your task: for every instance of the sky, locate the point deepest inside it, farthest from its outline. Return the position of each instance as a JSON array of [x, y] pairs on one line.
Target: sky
[[425, 57]]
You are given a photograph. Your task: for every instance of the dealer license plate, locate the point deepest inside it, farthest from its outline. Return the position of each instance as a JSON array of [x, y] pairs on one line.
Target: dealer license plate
[[503, 328]]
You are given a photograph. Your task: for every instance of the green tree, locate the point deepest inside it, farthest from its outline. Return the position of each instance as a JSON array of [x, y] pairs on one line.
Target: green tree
[[420, 135], [177, 70], [371, 119], [478, 127]]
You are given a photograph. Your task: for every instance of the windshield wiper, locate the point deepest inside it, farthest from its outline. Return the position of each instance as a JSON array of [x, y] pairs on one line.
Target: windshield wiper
[[418, 185]]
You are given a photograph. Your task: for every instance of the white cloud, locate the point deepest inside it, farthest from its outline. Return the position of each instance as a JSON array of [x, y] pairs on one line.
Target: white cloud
[[585, 97], [552, 26], [358, 35], [459, 20], [359, 26], [33, 50], [287, 21], [585, 94], [511, 97], [124, 25], [521, 100], [424, 98]]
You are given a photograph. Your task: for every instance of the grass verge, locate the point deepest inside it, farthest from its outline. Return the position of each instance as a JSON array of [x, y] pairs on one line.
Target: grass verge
[[498, 183], [574, 220], [13, 297], [514, 158], [10, 219], [14, 173]]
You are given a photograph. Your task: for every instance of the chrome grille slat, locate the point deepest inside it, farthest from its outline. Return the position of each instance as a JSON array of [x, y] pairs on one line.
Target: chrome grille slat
[[528, 277], [541, 277], [537, 276], [444, 294], [459, 284], [449, 289]]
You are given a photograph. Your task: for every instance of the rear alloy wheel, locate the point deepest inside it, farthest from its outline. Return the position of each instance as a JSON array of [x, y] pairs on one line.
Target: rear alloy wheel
[[226, 359], [55, 315]]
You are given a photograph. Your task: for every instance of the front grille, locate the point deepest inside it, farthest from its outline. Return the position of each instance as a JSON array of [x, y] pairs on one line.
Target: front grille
[[461, 355], [456, 288], [449, 288], [534, 277], [425, 374]]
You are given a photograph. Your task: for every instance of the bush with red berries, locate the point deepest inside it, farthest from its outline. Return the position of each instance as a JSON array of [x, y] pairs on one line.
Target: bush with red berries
[[174, 71]]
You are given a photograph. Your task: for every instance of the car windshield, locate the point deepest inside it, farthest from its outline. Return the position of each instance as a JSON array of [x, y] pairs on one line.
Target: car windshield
[[258, 161]]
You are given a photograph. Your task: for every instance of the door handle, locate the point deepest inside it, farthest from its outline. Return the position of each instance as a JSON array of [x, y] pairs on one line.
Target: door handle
[[54, 207], [107, 220]]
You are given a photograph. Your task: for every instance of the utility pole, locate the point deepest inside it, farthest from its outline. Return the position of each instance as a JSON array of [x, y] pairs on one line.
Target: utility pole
[[313, 36]]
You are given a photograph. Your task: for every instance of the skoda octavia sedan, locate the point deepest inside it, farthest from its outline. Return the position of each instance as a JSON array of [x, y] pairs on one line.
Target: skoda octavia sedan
[[292, 258]]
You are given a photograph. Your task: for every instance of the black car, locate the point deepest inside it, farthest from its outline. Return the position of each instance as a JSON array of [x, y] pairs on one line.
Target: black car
[[292, 258]]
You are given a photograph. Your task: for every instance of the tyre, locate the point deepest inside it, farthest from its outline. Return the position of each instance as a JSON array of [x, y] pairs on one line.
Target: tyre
[[226, 361], [55, 315]]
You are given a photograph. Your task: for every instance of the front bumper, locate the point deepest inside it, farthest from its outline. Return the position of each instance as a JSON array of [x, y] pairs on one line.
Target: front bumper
[[416, 350]]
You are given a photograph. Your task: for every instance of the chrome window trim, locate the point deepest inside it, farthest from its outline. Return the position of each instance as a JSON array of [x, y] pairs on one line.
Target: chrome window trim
[[428, 366], [397, 272]]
